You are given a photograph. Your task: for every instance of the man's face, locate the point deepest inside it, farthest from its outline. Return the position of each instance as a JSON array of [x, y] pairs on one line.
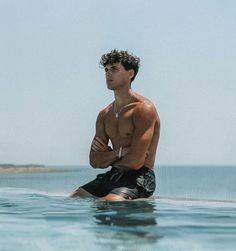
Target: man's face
[[117, 76]]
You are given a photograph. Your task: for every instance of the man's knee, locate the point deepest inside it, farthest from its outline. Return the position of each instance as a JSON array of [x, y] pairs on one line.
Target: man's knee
[[81, 193], [112, 197]]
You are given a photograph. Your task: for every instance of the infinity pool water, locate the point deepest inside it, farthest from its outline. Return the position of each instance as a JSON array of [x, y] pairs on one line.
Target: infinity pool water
[[194, 208]]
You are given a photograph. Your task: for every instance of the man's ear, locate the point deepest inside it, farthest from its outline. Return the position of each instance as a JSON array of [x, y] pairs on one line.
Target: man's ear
[[131, 73]]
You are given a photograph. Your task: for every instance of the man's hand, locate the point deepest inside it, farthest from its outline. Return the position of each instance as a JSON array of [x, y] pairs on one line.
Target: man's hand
[[125, 150], [99, 146]]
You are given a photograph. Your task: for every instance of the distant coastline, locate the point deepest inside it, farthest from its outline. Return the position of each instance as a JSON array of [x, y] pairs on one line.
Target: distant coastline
[[28, 168]]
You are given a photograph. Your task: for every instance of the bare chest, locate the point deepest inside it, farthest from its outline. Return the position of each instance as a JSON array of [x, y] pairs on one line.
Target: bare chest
[[120, 126]]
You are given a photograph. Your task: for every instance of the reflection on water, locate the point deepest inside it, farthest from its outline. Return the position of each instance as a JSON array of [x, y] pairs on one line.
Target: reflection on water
[[127, 213], [131, 221]]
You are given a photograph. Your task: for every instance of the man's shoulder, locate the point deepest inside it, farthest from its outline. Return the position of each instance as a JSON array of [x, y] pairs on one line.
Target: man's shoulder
[[144, 105], [105, 110], [145, 110]]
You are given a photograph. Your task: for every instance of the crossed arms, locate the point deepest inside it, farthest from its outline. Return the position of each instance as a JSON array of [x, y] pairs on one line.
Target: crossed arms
[[133, 157]]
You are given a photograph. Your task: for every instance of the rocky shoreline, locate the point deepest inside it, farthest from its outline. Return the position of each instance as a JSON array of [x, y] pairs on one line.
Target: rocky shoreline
[[29, 168]]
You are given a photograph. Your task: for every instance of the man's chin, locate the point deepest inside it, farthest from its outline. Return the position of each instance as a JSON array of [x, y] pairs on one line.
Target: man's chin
[[110, 87]]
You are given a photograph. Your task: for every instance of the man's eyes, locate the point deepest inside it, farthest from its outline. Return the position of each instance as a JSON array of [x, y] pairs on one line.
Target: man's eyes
[[112, 69]]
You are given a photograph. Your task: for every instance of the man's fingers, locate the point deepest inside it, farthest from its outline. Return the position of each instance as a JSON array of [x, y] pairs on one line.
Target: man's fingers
[[125, 150], [97, 149], [97, 143], [100, 141], [97, 146]]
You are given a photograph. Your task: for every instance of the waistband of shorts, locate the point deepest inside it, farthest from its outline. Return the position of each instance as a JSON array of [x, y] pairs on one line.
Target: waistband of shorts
[[140, 170]]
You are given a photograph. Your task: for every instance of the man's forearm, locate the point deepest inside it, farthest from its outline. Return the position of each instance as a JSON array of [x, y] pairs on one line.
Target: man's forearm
[[103, 159]]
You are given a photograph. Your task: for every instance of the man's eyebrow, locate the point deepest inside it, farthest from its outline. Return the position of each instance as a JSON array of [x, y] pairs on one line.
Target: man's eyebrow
[[112, 67]]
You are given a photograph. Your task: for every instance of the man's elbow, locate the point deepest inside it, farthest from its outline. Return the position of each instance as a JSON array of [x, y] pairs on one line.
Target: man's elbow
[[92, 161], [93, 164], [96, 164]]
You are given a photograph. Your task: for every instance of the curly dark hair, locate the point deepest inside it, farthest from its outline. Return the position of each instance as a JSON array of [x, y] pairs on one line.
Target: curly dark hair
[[129, 61]]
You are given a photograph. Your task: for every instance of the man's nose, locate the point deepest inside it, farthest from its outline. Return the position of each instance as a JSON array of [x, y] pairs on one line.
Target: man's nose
[[108, 73]]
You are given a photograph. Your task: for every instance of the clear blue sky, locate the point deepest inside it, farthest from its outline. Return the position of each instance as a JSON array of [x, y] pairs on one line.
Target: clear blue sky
[[51, 87]]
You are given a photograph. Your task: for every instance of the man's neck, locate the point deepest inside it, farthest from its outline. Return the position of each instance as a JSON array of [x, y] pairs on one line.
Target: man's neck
[[123, 97]]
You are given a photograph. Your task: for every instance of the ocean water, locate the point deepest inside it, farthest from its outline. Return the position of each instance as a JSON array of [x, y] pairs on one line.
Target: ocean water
[[193, 208]]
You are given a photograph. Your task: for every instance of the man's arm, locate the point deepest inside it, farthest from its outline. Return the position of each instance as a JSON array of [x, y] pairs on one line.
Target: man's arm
[[145, 119], [101, 155]]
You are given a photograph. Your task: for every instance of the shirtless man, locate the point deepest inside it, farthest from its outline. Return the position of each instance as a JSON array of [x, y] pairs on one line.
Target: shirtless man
[[132, 125]]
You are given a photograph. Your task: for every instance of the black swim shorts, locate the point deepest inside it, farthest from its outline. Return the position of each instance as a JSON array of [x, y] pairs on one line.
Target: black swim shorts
[[131, 184]]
